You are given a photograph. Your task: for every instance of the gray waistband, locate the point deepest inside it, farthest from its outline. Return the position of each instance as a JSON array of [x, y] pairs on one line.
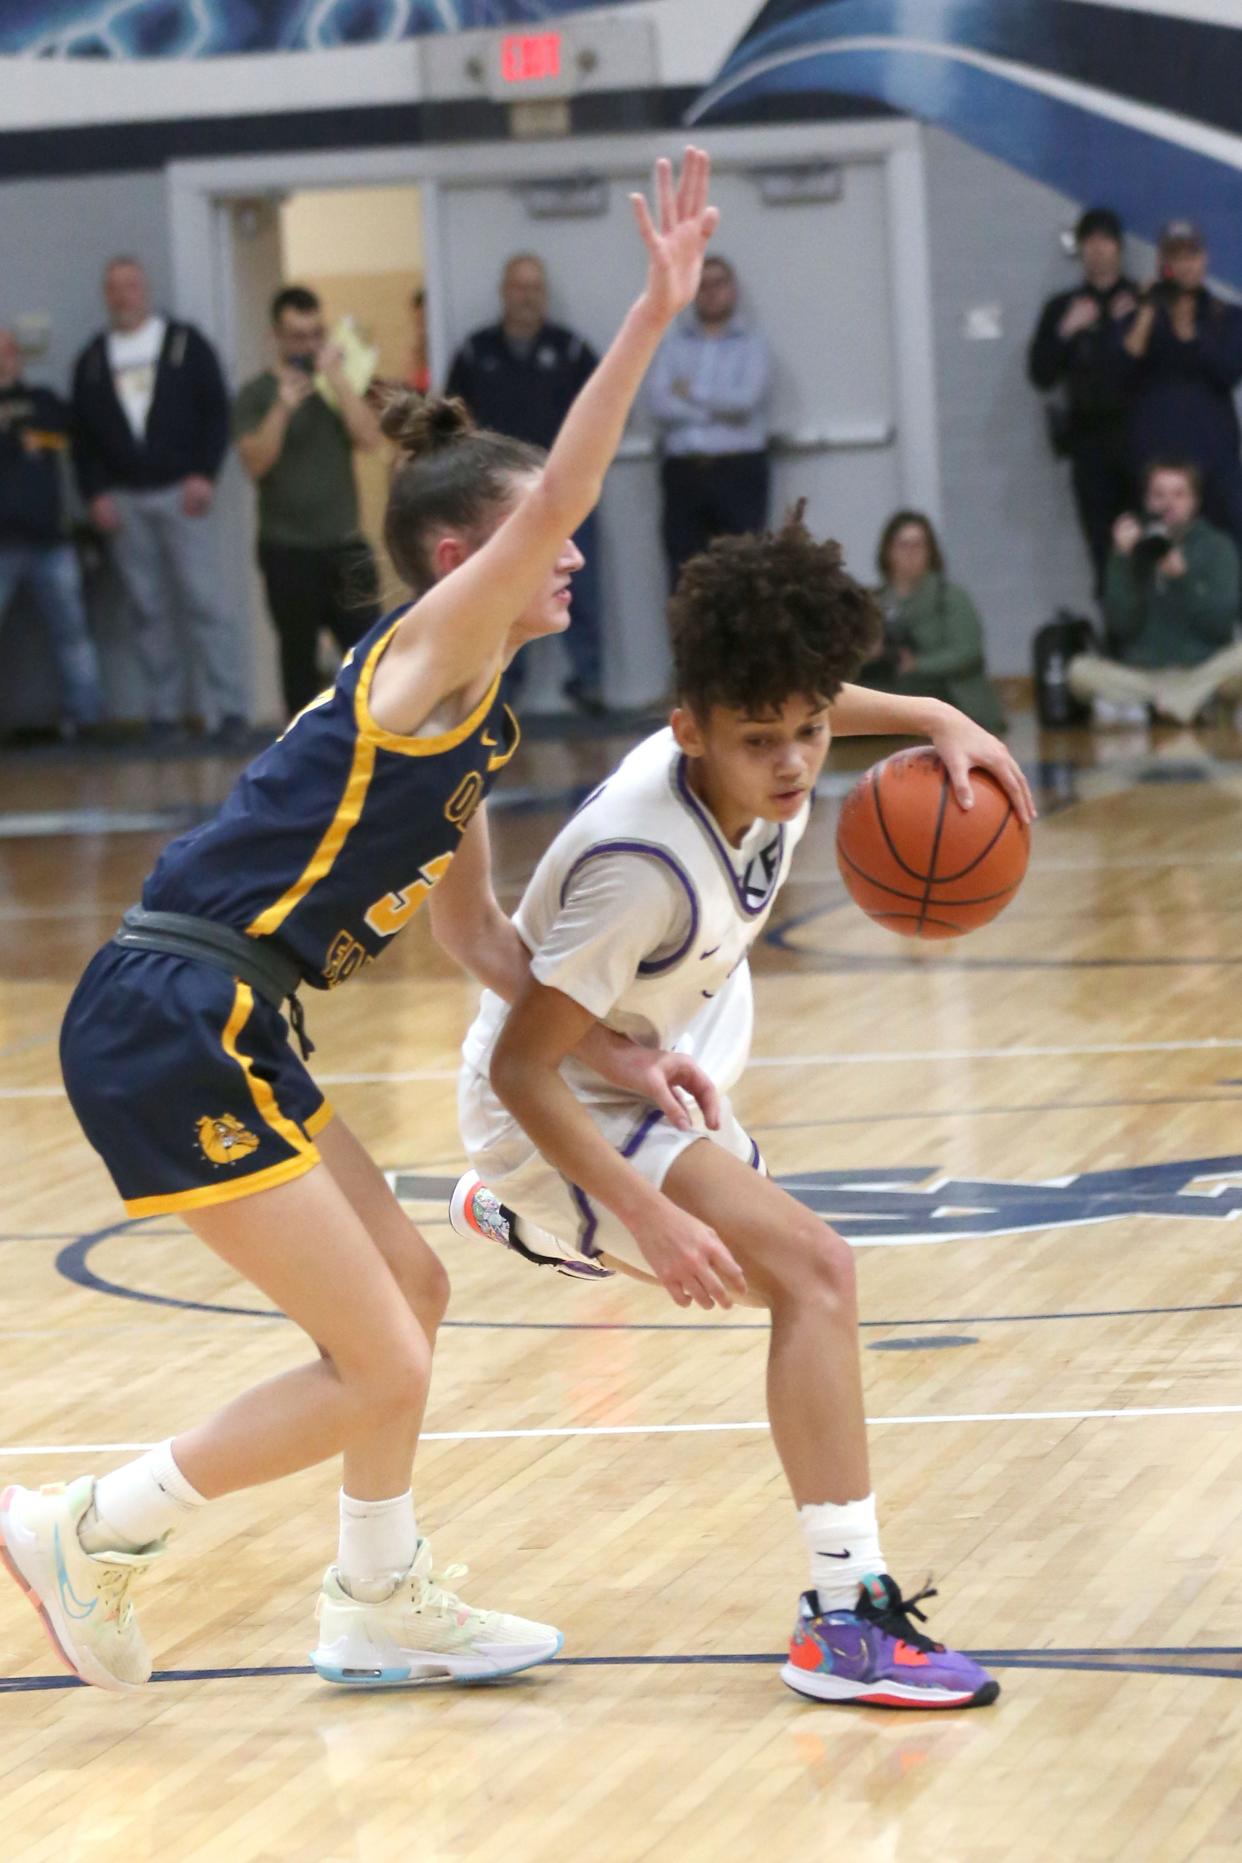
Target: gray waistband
[[179, 934]]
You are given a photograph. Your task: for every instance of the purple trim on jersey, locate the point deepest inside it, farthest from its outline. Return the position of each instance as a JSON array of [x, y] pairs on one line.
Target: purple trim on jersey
[[756, 1156], [649, 967], [590, 1221], [721, 851]]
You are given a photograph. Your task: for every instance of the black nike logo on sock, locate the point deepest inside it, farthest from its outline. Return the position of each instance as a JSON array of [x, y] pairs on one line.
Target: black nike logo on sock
[[828, 1555]]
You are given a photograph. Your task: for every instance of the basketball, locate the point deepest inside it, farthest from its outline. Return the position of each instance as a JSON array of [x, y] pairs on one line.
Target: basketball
[[918, 863]]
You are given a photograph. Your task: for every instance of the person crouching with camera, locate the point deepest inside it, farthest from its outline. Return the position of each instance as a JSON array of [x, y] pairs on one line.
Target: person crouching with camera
[[1171, 598]]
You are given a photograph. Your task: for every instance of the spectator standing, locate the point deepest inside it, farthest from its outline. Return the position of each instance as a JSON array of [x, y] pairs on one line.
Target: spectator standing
[[933, 637], [318, 569], [150, 414], [1172, 601], [708, 393], [519, 377], [1185, 345], [1077, 354], [34, 551]]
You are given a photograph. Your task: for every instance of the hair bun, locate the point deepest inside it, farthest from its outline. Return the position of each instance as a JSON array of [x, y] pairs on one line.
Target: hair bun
[[424, 424]]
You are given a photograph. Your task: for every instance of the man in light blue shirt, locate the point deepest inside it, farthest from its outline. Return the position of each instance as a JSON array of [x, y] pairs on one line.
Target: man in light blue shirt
[[708, 393]]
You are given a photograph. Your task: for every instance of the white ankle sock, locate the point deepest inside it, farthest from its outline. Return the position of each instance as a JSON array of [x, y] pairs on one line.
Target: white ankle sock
[[138, 1504], [844, 1544], [378, 1542]]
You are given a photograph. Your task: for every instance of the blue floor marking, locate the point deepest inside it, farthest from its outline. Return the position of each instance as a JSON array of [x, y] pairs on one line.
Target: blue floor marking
[[72, 1263], [995, 1112], [1143, 1661], [922, 1342]]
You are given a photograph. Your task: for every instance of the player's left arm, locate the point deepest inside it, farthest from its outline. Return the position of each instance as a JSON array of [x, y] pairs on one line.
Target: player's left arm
[[467, 922], [958, 741]]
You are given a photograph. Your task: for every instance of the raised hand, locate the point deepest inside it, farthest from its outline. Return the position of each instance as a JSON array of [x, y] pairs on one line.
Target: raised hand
[[677, 244]]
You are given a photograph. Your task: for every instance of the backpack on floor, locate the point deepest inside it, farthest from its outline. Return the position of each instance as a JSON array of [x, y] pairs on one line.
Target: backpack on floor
[[1055, 644]]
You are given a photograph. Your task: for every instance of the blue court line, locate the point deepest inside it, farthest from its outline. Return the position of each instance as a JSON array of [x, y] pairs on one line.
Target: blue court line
[[72, 1263], [760, 1326], [1147, 1661], [66, 1235], [995, 1112]]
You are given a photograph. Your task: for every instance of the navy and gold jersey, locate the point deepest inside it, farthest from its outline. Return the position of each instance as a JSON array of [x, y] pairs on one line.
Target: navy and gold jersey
[[332, 839]]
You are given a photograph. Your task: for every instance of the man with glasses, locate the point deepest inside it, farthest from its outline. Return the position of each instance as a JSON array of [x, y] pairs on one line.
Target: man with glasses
[[318, 569]]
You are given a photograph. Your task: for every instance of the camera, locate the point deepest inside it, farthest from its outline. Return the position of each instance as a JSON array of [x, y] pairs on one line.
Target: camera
[[897, 637], [1153, 546], [1163, 295]]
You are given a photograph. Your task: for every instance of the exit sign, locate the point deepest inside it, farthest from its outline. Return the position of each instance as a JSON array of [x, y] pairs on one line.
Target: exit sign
[[531, 57], [549, 63]]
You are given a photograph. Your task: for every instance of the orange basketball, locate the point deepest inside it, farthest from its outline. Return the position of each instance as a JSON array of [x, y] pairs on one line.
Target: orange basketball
[[917, 862]]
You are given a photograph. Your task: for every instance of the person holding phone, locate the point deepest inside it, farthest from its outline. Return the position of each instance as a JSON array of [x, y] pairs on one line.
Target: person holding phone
[[318, 569]]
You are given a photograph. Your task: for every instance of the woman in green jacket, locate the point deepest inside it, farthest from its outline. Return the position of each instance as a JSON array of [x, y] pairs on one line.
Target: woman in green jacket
[[933, 637]]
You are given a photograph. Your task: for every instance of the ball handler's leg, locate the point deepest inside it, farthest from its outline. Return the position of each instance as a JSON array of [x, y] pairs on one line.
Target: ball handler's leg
[[855, 1639]]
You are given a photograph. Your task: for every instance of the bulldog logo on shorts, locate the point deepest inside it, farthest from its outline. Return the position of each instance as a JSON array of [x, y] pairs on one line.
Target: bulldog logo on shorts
[[225, 1140]]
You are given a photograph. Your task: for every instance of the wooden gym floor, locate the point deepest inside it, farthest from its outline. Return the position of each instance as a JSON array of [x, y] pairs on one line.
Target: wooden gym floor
[[1034, 1138]]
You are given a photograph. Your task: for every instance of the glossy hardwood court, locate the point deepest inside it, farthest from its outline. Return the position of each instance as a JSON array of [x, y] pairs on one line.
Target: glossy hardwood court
[[1033, 1137]]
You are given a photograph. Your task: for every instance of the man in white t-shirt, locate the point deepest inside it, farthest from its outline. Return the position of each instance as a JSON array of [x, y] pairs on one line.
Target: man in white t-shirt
[[640, 916], [151, 429]]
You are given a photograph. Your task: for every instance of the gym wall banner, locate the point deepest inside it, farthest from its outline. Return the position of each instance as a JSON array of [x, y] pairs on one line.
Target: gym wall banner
[[1137, 106], [207, 28]]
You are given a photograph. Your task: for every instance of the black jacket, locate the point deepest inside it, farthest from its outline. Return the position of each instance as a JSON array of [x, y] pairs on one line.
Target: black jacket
[[1092, 367], [526, 397], [1183, 405], [187, 429], [34, 434]]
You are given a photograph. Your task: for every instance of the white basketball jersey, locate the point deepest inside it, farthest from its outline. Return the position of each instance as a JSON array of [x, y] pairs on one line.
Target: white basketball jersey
[[697, 996]]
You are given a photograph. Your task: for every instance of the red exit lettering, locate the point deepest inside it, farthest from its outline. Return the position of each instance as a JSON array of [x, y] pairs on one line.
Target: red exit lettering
[[528, 56]]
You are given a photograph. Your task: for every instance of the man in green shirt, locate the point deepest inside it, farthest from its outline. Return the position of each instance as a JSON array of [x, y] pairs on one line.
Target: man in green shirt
[[317, 567], [1173, 604]]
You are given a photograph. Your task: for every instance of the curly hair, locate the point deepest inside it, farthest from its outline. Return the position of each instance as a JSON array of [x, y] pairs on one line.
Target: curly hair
[[758, 619]]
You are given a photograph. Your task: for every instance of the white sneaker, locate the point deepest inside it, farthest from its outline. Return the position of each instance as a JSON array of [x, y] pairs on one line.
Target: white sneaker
[[83, 1598], [474, 1210], [1110, 712], [422, 1633]]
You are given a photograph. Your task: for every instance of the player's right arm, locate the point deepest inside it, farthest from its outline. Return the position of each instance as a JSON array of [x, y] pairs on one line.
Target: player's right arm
[[543, 1028], [458, 628]]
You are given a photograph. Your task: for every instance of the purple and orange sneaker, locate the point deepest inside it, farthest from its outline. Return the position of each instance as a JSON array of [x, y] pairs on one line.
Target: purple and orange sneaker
[[873, 1655]]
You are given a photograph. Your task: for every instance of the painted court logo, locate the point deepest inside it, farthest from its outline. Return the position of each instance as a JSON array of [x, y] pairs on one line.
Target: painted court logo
[[225, 1140], [909, 1205]]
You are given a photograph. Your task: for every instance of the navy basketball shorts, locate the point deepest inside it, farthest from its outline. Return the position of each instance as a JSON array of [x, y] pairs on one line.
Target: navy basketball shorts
[[185, 1082]]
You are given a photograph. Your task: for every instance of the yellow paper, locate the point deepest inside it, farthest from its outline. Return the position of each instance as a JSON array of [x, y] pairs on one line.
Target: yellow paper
[[360, 361]]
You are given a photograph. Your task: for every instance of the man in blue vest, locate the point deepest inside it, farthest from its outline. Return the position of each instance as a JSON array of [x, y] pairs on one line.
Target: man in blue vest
[[519, 377]]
